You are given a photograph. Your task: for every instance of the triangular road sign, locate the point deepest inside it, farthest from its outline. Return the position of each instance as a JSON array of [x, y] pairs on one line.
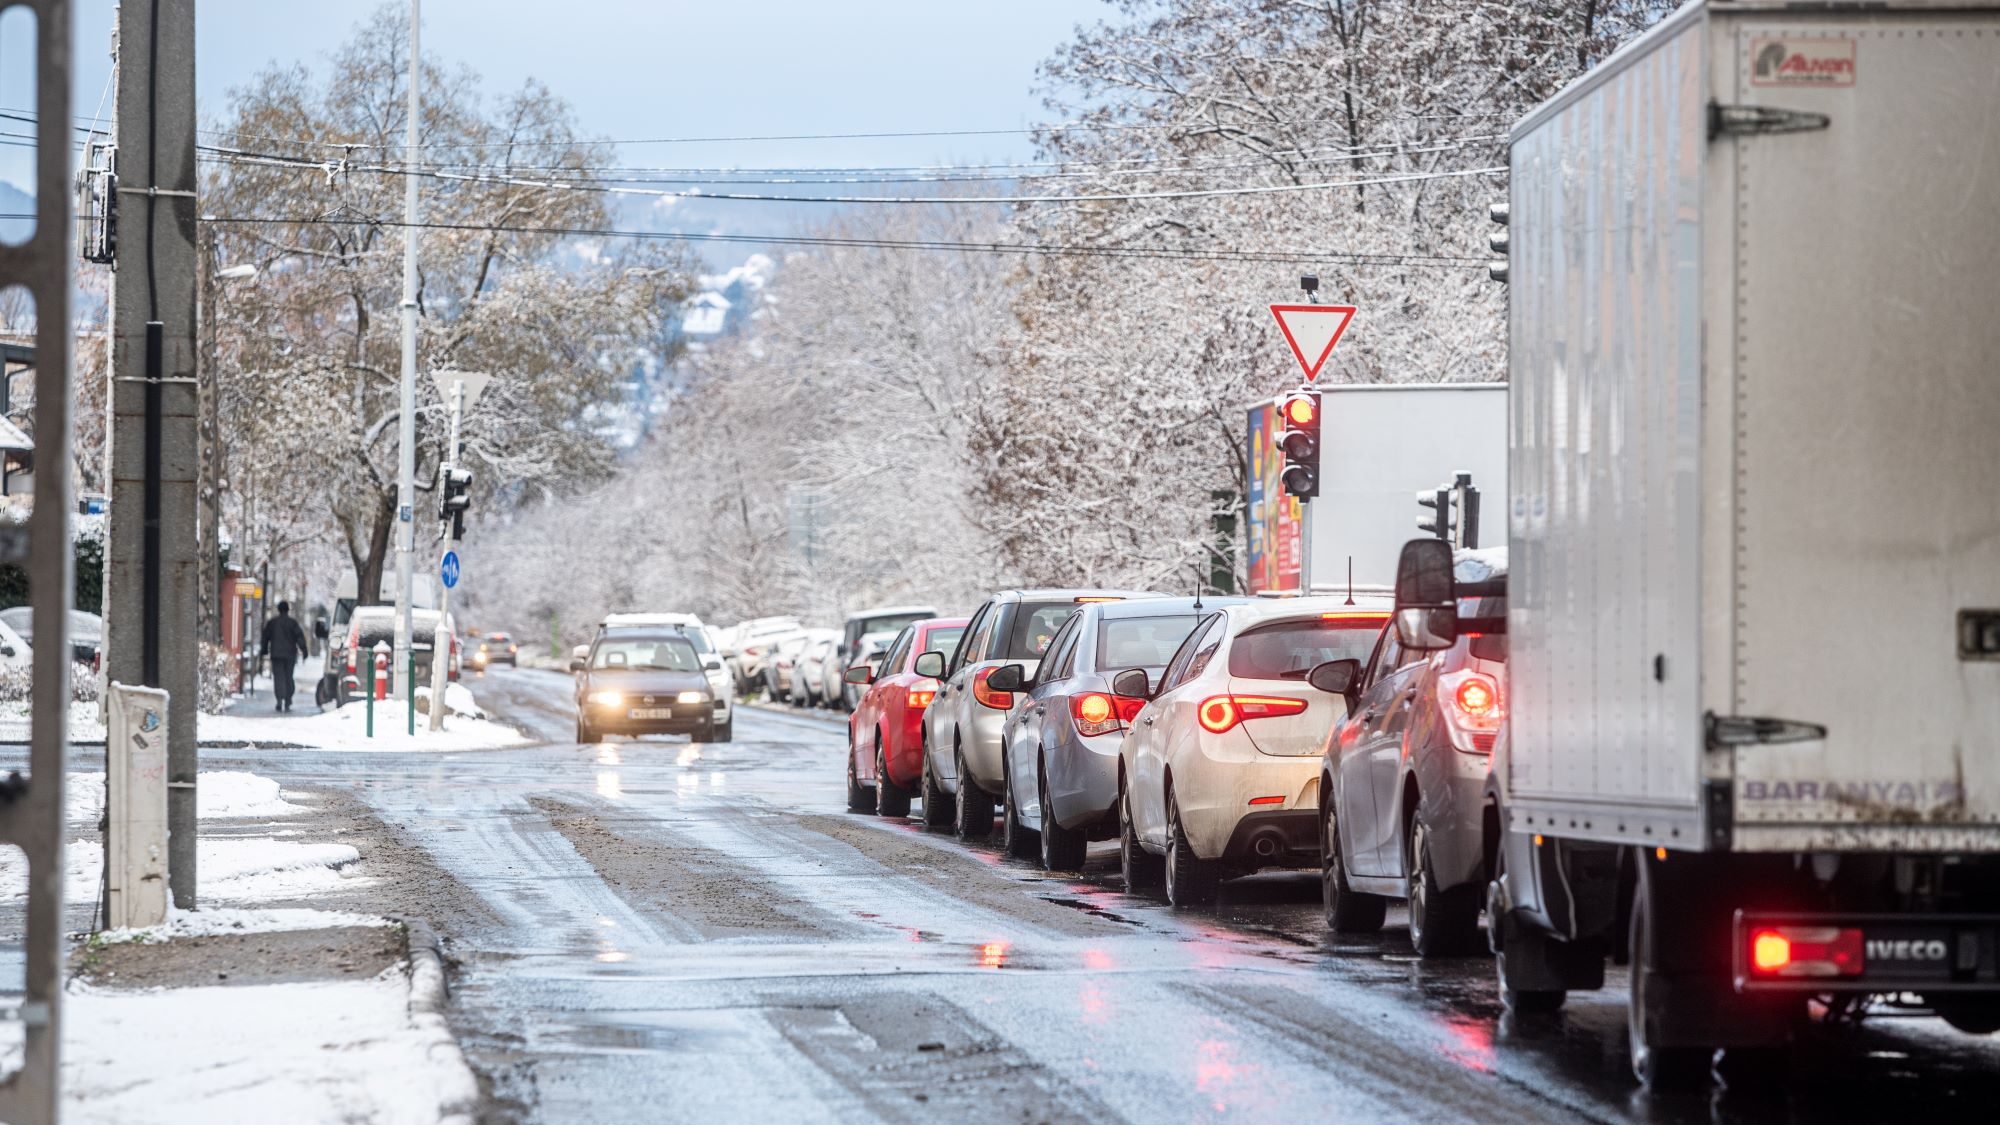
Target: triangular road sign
[[475, 382], [1312, 331]]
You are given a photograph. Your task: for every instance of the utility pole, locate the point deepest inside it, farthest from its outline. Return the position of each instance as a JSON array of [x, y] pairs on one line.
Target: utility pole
[[31, 809], [406, 454], [150, 562]]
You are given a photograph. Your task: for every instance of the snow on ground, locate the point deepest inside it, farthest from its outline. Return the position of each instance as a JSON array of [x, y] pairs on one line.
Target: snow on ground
[[230, 920], [220, 793], [347, 729], [84, 724], [298, 1053], [229, 870]]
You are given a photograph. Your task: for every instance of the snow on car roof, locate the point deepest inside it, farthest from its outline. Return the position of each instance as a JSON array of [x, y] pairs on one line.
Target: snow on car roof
[[892, 611], [1277, 609], [611, 619]]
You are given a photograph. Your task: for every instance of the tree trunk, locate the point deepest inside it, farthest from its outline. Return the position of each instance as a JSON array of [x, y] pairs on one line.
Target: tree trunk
[[368, 588]]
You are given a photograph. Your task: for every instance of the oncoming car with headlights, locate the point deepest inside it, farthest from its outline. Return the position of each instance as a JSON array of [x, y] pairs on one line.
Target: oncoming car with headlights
[[635, 683]]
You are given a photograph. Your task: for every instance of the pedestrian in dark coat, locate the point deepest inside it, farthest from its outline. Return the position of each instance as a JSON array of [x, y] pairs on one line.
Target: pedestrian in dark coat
[[284, 645]]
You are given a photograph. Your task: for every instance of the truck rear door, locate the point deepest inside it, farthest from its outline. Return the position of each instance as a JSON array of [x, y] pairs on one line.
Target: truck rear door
[[1867, 399]]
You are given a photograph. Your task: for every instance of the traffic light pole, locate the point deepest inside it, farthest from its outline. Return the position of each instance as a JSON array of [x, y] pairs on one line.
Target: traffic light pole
[[441, 638]]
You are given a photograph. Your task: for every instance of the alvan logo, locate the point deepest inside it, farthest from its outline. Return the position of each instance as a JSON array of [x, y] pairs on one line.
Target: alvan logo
[[1802, 62]]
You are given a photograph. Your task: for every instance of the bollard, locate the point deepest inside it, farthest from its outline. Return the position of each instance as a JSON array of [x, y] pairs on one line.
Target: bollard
[[413, 691], [379, 688]]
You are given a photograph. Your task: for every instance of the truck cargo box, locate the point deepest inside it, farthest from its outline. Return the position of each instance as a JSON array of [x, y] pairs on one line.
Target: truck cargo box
[[1754, 431]]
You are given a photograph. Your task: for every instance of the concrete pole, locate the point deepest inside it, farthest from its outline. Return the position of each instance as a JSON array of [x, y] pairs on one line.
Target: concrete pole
[[150, 561], [406, 469]]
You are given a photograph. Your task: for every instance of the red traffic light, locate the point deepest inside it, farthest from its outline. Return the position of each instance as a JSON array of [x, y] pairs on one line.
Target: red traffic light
[[1302, 410]]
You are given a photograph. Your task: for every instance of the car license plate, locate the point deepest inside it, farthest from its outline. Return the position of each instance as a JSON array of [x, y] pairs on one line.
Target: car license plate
[[653, 713]]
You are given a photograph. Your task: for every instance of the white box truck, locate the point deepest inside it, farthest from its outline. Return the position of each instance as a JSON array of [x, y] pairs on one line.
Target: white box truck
[[1754, 620], [1380, 445]]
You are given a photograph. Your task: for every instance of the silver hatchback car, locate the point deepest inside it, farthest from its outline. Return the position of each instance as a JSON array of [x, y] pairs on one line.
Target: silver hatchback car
[[1061, 747], [962, 726]]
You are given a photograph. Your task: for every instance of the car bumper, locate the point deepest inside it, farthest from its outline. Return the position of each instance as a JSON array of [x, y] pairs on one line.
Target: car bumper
[[686, 718], [903, 749], [1083, 779], [979, 740], [1214, 798]]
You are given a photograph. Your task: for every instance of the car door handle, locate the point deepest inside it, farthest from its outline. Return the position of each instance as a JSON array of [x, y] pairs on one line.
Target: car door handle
[[1148, 720]]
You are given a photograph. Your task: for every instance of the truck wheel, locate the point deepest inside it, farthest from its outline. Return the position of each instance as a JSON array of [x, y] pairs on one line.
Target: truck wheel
[[1444, 921], [938, 805], [891, 799], [1014, 836], [1140, 867], [972, 813], [1191, 880], [1655, 1065], [1347, 911], [1063, 849], [858, 799]]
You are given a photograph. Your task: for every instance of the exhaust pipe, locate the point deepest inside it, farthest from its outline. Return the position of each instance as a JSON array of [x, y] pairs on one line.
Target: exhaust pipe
[[1267, 844]]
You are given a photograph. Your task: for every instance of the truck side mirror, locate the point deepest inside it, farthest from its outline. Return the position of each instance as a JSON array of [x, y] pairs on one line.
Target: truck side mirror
[[1132, 683], [1007, 678], [1426, 596], [931, 665]]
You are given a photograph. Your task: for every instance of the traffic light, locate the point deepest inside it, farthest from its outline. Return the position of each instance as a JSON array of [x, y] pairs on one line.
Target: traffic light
[[454, 497], [1439, 522], [1300, 414], [1499, 242]]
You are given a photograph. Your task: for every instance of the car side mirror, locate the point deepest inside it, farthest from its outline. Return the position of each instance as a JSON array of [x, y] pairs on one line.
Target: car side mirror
[[1132, 683], [1426, 596], [861, 675], [575, 664], [711, 665], [930, 665], [319, 628], [1007, 678], [1337, 677]]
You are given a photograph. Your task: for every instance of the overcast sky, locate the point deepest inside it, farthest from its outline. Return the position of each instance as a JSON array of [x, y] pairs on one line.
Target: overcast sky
[[655, 68]]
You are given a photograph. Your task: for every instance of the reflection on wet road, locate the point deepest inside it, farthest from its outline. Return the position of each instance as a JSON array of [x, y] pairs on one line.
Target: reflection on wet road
[[701, 933]]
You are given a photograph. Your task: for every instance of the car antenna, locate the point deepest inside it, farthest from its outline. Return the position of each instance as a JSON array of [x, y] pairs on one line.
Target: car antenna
[[1350, 580], [1197, 591]]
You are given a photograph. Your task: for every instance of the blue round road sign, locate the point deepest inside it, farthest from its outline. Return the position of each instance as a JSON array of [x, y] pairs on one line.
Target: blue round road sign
[[448, 569]]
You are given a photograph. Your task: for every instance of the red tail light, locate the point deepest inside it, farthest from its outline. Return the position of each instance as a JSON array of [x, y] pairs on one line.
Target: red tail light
[[1096, 713], [1806, 951], [922, 694], [1472, 708], [1218, 713], [998, 700]]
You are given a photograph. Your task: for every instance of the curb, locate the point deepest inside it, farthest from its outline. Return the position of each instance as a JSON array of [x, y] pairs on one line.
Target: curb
[[428, 997]]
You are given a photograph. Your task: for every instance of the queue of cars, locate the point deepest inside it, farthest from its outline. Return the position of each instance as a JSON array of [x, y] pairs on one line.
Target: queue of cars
[[1212, 738]]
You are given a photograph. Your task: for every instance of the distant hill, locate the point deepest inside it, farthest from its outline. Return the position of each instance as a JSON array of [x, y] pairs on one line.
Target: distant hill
[[14, 201]]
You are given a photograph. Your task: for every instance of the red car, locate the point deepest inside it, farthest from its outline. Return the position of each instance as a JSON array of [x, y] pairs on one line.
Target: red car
[[885, 733]]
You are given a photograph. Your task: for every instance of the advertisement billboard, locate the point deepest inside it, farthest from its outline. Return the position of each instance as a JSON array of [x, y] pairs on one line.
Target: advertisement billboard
[[1271, 529]]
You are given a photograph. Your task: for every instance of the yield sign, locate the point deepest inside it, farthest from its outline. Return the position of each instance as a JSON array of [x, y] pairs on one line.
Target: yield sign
[[1312, 331], [475, 382]]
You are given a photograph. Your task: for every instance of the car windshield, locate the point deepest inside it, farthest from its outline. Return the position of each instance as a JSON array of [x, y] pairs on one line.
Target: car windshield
[[1141, 642], [1290, 649], [646, 654], [943, 639], [1035, 625]]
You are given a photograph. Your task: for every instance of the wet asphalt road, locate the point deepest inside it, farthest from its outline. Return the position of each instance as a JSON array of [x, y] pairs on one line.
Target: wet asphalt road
[[668, 932]]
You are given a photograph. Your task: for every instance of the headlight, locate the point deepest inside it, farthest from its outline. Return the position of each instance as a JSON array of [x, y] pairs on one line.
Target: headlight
[[606, 698], [692, 697]]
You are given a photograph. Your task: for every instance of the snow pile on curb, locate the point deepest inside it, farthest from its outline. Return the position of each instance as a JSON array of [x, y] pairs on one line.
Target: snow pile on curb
[[84, 724], [225, 920], [219, 794], [347, 729], [229, 869], [298, 1053]]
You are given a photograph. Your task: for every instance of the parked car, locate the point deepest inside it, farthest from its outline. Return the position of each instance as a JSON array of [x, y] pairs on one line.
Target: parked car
[[373, 624], [753, 641], [86, 631], [889, 620], [885, 732], [1403, 778], [635, 681], [14, 650], [779, 669], [496, 648], [721, 683], [1220, 770], [962, 726], [835, 690], [1060, 788], [810, 669]]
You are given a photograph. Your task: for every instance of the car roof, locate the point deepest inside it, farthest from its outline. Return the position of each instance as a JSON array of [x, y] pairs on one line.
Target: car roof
[[945, 623], [892, 611], [1058, 594], [650, 619], [1161, 607], [1260, 610]]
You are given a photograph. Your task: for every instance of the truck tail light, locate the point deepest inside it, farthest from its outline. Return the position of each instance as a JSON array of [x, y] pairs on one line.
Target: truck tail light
[[1218, 713], [1472, 708], [1806, 951], [998, 700]]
